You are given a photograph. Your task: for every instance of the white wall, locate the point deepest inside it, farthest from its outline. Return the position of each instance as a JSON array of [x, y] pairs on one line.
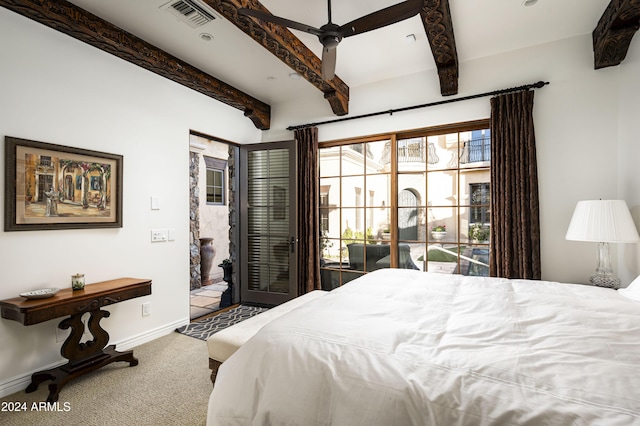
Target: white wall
[[629, 155], [58, 90], [576, 120]]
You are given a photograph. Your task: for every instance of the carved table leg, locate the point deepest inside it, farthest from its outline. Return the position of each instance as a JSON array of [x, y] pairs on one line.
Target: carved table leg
[[83, 356], [54, 374], [37, 378]]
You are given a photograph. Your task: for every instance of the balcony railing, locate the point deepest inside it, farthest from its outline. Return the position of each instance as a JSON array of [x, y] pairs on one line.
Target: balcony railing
[[411, 151], [476, 150], [414, 151]]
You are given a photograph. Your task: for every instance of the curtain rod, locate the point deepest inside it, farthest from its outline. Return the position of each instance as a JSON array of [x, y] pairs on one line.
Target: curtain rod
[[537, 85]]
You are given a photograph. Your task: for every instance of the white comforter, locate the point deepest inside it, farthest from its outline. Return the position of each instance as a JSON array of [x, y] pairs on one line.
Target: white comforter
[[401, 347]]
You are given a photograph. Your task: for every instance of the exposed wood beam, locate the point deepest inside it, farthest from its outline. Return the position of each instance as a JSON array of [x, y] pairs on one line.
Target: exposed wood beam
[[283, 44], [436, 19], [613, 34], [84, 26]]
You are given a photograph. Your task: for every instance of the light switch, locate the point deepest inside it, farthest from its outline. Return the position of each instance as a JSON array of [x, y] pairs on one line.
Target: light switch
[[159, 235], [155, 203]]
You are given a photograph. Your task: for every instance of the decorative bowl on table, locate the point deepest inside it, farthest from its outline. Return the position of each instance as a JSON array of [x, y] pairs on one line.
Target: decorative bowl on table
[[42, 293]]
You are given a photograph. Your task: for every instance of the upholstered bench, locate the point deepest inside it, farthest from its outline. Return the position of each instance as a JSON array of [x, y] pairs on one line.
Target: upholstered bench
[[224, 343]]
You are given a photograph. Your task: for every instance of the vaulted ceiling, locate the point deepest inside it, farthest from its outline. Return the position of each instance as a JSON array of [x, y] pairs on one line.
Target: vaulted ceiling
[[249, 64]]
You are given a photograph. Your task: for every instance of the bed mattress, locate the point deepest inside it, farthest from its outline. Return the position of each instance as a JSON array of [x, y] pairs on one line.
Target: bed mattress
[[404, 347]]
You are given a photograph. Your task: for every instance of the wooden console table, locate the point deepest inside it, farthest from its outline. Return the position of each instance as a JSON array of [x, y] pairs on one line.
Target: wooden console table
[[83, 356]]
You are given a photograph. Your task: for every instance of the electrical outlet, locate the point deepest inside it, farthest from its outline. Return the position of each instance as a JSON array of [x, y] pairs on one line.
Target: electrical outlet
[[146, 309]]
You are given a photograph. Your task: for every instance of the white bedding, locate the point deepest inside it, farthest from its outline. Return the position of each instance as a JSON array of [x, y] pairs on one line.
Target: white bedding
[[403, 347]]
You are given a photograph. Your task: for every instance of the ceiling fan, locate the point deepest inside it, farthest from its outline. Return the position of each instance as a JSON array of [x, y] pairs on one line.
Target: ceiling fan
[[331, 34]]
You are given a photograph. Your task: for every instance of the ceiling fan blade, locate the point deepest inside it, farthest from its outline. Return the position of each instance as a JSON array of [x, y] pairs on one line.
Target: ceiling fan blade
[[328, 63], [280, 21], [382, 18]]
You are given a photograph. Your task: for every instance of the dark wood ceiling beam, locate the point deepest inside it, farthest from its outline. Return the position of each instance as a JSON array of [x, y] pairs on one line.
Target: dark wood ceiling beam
[[82, 25], [284, 45], [438, 25], [612, 36]]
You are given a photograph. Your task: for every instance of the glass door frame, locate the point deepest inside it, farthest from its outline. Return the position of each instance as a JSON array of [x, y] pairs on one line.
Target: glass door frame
[[267, 298], [343, 270]]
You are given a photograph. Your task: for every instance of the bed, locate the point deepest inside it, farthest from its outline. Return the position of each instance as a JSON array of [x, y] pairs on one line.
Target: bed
[[404, 347]]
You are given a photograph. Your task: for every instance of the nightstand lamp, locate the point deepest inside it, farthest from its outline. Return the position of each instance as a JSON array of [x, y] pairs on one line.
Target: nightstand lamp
[[603, 222]]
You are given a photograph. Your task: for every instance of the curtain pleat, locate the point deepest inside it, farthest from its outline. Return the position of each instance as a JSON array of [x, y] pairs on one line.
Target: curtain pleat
[[515, 219], [308, 210]]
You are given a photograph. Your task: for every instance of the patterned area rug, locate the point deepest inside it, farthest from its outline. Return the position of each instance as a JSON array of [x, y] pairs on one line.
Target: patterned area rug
[[205, 328]]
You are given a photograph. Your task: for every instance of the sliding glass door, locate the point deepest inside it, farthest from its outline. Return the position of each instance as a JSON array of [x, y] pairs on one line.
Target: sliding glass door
[[415, 200], [355, 210]]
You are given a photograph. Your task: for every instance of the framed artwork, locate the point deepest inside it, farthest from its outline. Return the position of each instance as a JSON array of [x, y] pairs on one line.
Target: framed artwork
[[51, 186]]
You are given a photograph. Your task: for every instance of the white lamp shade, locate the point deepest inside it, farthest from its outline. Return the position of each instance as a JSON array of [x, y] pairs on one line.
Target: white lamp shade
[[606, 221]]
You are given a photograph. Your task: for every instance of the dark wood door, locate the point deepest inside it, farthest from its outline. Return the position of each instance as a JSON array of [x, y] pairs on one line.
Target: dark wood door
[[268, 223]]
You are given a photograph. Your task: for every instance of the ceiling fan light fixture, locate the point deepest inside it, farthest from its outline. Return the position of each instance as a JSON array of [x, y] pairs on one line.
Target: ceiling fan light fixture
[[331, 41]]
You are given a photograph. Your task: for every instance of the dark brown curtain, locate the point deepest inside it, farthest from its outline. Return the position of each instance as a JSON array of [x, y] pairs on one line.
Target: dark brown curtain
[[308, 221], [515, 221]]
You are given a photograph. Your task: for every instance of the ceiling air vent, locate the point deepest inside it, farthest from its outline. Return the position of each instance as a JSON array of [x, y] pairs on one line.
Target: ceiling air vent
[[193, 13]]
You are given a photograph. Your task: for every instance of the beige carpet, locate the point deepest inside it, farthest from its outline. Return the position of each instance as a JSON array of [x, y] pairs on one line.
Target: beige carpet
[[170, 386]]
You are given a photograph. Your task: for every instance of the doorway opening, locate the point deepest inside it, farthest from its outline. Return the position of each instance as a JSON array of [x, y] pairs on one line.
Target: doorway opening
[[210, 251]]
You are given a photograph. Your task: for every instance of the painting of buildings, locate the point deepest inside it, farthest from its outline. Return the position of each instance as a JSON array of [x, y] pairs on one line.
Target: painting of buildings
[[57, 186]]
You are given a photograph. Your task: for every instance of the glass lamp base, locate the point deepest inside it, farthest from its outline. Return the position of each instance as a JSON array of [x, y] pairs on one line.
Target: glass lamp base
[[608, 281]]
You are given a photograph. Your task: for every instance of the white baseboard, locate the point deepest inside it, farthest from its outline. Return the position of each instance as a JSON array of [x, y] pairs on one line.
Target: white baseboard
[[19, 383], [147, 336]]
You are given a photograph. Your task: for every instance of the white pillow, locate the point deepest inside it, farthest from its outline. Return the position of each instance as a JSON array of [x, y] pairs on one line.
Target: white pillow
[[633, 291]]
